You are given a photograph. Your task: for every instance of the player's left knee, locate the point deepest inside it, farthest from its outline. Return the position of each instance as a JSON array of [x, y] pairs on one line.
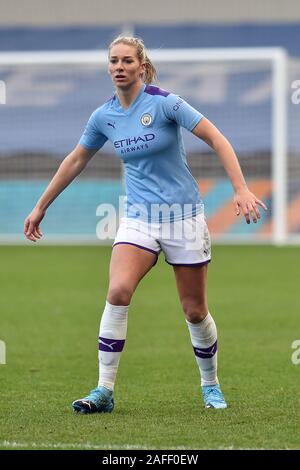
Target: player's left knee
[[194, 312]]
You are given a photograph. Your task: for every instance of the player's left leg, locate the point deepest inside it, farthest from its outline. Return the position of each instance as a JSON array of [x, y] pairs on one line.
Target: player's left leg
[[191, 286]]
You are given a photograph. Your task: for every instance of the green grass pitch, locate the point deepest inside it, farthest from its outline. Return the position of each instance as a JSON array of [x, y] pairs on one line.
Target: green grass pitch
[[51, 301]]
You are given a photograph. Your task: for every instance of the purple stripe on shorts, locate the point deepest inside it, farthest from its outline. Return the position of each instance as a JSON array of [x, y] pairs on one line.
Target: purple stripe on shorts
[[206, 353], [139, 246], [190, 265], [111, 345], [154, 90]]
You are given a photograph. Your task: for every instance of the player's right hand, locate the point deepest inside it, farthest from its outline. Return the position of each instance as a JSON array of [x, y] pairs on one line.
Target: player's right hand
[[32, 229]]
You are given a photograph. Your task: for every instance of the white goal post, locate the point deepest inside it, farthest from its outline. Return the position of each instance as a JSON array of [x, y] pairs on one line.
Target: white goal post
[[275, 60]]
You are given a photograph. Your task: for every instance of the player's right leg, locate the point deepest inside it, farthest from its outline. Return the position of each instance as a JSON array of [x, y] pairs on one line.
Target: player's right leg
[[129, 264]]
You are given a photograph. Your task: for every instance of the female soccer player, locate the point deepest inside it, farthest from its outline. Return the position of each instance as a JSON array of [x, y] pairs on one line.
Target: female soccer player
[[164, 210]]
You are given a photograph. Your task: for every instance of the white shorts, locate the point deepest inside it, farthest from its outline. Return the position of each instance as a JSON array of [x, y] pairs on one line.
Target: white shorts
[[184, 242]]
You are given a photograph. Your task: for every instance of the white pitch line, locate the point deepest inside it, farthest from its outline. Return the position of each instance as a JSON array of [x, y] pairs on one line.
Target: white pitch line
[[88, 446], [69, 445]]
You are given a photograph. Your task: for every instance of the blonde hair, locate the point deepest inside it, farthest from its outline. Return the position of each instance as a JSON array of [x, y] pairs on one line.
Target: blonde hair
[[150, 71]]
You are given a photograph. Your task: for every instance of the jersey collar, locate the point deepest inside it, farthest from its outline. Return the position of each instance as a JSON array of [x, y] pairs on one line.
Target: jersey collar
[[137, 98]]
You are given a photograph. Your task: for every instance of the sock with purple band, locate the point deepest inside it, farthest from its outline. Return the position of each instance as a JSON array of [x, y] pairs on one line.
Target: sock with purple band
[[112, 336], [204, 341]]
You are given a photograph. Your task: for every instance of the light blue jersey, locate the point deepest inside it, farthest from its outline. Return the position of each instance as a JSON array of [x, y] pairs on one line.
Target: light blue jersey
[[147, 137]]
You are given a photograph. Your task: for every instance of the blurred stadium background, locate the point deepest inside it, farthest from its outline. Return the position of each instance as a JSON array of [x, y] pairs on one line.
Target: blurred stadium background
[[47, 106]]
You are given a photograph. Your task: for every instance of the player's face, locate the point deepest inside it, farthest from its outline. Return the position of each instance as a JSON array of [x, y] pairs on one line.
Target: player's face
[[124, 66]]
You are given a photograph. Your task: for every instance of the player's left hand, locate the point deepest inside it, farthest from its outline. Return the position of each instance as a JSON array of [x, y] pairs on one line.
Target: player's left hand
[[247, 203]]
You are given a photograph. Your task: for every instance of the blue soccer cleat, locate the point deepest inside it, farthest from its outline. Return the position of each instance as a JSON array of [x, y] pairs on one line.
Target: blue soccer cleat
[[100, 400], [213, 397]]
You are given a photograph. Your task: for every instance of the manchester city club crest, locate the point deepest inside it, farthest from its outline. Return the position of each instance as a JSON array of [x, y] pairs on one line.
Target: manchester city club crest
[[146, 119]]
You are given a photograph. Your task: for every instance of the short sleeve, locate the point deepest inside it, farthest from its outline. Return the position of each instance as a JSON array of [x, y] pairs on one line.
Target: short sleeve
[[178, 110], [92, 137]]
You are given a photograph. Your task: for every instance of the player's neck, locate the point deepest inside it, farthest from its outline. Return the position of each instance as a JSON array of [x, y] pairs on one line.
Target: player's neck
[[128, 95]]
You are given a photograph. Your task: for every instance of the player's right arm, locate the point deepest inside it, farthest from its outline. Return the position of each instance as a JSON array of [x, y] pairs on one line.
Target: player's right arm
[[71, 167]]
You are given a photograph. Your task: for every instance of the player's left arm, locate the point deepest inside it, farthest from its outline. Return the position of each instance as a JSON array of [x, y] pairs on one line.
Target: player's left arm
[[245, 201]]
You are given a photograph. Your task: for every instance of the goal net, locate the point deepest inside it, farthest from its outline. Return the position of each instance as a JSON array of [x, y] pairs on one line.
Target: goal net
[[49, 97]]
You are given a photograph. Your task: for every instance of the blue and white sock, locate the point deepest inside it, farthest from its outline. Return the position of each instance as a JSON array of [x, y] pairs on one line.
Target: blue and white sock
[[112, 336], [204, 341]]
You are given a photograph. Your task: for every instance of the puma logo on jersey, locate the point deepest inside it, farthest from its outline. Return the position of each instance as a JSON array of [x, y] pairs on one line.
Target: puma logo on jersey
[[112, 125]]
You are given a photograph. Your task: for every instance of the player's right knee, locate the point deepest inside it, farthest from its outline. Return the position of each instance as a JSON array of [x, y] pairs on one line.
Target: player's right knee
[[119, 295]]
